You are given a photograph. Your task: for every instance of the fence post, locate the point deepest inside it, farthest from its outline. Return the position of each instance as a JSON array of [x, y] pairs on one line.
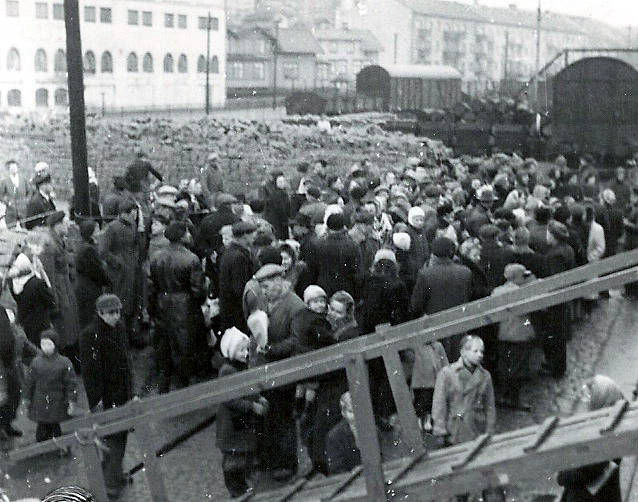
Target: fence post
[[93, 469], [359, 384], [410, 431], [152, 467]]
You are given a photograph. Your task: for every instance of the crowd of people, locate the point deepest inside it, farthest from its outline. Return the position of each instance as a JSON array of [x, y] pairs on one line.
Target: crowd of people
[[216, 282]]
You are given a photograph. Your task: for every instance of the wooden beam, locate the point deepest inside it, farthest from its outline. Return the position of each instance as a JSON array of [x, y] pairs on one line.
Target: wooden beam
[[152, 465], [368, 440], [93, 469]]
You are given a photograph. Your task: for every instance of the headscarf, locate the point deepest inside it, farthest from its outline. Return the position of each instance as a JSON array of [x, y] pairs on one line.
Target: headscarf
[[21, 271], [604, 392]]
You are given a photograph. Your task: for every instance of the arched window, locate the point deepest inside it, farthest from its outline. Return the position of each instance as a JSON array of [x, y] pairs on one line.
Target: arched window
[[89, 62], [147, 63], [13, 60], [61, 97], [41, 97], [40, 60], [214, 65], [201, 64], [106, 64], [59, 62], [168, 63], [131, 62], [182, 64], [14, 98]]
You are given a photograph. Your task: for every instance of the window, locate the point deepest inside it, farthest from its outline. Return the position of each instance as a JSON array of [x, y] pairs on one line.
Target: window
[[106, 64], [131, 62], [169, 20], [41, 10], [235, 71], [147, 18], [40, 60], [133, 17], [59, 61], [291, 71], [182, 64], [168, 63], [41, 97], [214, 65], [202, 23], [201, 64], [89, 14], [105, 15], [181, 21], [13, 10], [147, 63], [214, 23], [61, 97], [14, 98], [13, 60], [89, 62], [258, 71], [58, 11]]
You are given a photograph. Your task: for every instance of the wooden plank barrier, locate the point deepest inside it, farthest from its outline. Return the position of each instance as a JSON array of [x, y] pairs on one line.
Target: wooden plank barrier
[[174, 404]]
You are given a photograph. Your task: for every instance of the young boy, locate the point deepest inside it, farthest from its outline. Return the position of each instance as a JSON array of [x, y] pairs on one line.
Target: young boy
[[236, 419]]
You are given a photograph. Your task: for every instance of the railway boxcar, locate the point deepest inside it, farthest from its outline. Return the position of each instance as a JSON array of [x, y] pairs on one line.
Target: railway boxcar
[[595, 108], [410, 87]]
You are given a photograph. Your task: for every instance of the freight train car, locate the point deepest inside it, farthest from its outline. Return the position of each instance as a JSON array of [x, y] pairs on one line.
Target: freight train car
[[595, 109], [410, 87]]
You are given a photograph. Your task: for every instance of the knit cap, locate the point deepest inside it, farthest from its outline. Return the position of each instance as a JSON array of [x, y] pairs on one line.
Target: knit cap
[[402, 240], [384, 254], [413, 213], [312, 292]]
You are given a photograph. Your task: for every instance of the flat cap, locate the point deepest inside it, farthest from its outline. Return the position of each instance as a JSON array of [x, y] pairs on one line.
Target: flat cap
[[225, 199], [242, 228], [268, 271]]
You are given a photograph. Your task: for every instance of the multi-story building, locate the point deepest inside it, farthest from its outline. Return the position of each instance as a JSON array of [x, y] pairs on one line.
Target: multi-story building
[[138, 54], [251, 61], [346, 51]]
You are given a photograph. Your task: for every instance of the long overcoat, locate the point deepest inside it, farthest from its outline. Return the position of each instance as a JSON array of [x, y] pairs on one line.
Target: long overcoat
[[36, 307], [90, 280]]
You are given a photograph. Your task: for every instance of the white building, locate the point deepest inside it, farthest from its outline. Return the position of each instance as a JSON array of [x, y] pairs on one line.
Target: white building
[[138, 54]]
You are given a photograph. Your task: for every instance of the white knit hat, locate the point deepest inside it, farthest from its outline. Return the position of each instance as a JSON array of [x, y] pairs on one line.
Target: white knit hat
[[413, 213], [402, 240], [384, 254], [313, 291], [232, 341]]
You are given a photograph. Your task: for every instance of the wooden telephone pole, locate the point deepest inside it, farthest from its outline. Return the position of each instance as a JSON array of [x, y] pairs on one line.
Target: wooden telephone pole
[[76, 106]]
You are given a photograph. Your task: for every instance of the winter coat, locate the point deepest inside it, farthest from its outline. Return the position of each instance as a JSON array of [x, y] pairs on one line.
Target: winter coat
[[560, 258], [576, 480], [476, 217], [235, 419], [36, 307], [15, 197], [538, 237], [121, 248], [90, 280], [514, 329], [384, 300], [429, 360], [106, 368], [284, 326], [335, 264], [56, 262], [419, 246], [212, 183], [615, 230], [463, 405], [532, 261], [494, 258], [38, 205], [311, 330], [236, 268], [342, 451], [622, 191], [49, 387], [277, 209], [596, 242], [208, 237], [442, 285], [177, 290]]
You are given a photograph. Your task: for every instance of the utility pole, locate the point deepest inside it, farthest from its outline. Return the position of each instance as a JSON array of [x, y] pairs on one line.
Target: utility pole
[[208, 65], [76, 106], [275, 50], [506, 59], [538, 54], [396, 40]]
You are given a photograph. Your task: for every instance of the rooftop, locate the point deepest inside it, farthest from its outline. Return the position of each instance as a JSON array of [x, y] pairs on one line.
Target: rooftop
[[368, 40]]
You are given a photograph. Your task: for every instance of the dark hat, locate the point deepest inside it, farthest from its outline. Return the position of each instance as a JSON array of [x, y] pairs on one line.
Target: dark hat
[[108, 301], [269, 254], [54, 218], [225, 199], [398, 213], [558, 230], [562, 213], [432, 191], [242, 228], [302, 219], [488, 232], [357, 192], [443, 247], [42, 177], [268, 271], [313, 191], [336, 221], [175, 231], [52, 335]]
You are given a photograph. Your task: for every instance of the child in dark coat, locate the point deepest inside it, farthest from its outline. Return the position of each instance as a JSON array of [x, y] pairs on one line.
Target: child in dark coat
[[236, 419], [50, 388]]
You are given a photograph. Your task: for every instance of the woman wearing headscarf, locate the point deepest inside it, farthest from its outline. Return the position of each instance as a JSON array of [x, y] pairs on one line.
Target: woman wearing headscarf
[[91, 276], [598, 482], [34, 298]]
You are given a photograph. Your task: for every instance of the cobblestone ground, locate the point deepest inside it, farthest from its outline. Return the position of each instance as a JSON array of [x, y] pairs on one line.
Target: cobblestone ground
[[192, 470]]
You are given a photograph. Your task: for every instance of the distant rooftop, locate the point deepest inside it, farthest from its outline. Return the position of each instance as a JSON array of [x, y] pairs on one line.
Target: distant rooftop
[[368, 40]]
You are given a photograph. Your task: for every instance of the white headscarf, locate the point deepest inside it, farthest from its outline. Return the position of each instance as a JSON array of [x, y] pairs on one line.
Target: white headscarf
[[21, 271]]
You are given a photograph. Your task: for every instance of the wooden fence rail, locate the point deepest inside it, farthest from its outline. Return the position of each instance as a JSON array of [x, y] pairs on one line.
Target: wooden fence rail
[[386, 343]]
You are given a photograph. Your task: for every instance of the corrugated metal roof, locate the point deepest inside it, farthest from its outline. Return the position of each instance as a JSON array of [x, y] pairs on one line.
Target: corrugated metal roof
[[432, 72]]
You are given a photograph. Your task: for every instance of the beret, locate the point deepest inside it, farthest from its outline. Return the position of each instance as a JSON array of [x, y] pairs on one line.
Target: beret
[[242, 228], [269, 270], [108, 301]]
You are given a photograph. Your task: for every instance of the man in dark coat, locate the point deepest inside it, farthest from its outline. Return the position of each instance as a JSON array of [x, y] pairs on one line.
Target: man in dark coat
[[236, 268], [494, 256], [14, 192], [108, 379], [178, 288], [538, 229], [111, 202], [442, 285], [335, 263], [481, 213], [11, 378], [614, 231], [41, 202], [211, 179], [277, 204], [208, 237]]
